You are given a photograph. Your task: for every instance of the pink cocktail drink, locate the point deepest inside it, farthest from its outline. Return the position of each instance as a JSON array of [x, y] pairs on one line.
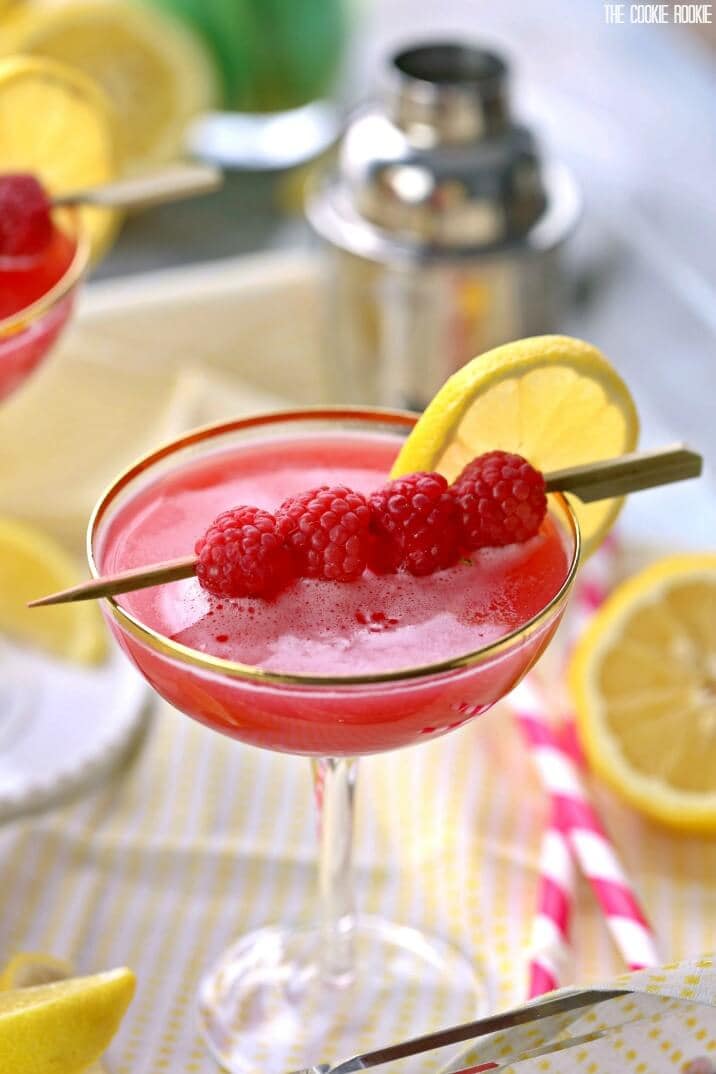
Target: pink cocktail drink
[[330, 670], [375, 627], [37, 294]]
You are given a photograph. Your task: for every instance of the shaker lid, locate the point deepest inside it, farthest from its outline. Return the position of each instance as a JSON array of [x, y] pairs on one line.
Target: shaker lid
[[439, 164]]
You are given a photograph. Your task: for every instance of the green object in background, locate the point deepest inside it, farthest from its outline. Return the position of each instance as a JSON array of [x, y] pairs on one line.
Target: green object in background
[[271, 54]]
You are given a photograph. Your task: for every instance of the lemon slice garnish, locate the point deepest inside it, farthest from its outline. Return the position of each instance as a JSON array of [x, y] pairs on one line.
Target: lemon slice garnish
[[156, 73], [643, 679], [554, 399], [62, 1027], [56, 123], [31, 565]]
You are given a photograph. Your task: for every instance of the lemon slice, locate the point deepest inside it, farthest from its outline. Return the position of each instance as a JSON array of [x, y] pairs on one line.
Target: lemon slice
[[56, 123], [554, 399], [154, 70], [31, 565], [643, 679], [62, 1027], [29, 968]]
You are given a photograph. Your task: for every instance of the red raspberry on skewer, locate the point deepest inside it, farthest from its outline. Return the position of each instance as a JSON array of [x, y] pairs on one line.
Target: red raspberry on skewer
[[242, 555], [415, 525], [501, 499], [326, 530], [25, 221]]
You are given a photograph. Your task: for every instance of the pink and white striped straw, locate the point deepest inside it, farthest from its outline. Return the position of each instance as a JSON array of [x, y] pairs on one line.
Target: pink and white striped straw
[[595, 583], [577, 818], [550, 927], [549, 942]]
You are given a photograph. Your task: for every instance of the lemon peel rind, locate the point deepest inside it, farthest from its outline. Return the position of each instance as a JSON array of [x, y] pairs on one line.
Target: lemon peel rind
[[683, 811]]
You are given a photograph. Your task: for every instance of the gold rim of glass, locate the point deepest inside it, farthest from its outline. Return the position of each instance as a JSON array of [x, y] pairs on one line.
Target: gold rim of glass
[[18, 322], [167, 647]]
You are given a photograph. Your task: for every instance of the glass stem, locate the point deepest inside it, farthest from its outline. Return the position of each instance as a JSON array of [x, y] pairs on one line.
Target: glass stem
[[334, 780]]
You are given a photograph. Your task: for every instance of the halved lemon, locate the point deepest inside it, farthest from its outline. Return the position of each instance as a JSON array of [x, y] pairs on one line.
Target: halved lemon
[[62, 1027], [643, 677], [56, 123], [554, 399], [31, 565], [156, 73]]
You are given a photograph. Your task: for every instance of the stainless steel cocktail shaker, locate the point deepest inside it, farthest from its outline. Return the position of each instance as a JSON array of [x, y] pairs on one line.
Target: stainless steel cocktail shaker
[[443, 225]]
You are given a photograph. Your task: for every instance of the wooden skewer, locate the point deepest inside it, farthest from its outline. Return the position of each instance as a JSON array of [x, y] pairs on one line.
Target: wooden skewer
[[173, 183], [594, 481], [628, 473], [123, 582]]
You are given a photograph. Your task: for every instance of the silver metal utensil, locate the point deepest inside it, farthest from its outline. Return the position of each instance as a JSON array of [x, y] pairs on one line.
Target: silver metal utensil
[[532, 1012], [551, 1048]]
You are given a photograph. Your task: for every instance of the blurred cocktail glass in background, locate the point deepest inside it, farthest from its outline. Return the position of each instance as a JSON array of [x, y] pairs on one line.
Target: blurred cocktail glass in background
[[37, 295]]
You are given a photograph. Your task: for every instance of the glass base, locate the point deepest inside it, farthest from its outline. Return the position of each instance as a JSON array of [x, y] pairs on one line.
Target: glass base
[[265, 141], [267, 1007]]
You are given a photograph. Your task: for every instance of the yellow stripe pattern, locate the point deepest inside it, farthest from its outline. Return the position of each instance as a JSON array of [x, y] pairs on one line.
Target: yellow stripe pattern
[[199, 839]]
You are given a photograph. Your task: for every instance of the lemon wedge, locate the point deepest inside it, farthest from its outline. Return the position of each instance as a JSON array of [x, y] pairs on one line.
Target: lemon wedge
[[29, 968], [156, 73], [31, 565], [554, 399], [56, 123], [643, 677], [62, 1027]]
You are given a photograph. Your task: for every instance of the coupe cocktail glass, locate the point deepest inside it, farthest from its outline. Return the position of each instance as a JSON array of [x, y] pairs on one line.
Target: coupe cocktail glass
[[315, 990], [29, 333]]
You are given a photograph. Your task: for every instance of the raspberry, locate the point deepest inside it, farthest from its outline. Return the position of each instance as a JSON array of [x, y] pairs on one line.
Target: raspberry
[[415, 525], [327, 531], [242, 555], [501, 499], [25, 222]]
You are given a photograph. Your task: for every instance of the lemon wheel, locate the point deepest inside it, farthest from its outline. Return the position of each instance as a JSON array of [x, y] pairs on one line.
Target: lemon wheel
[[643, 678], [56, 123], [156, 73], [553, 399]]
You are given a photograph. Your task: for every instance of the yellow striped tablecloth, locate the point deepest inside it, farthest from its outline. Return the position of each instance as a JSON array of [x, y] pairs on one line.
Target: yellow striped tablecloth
[[199, 839]]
